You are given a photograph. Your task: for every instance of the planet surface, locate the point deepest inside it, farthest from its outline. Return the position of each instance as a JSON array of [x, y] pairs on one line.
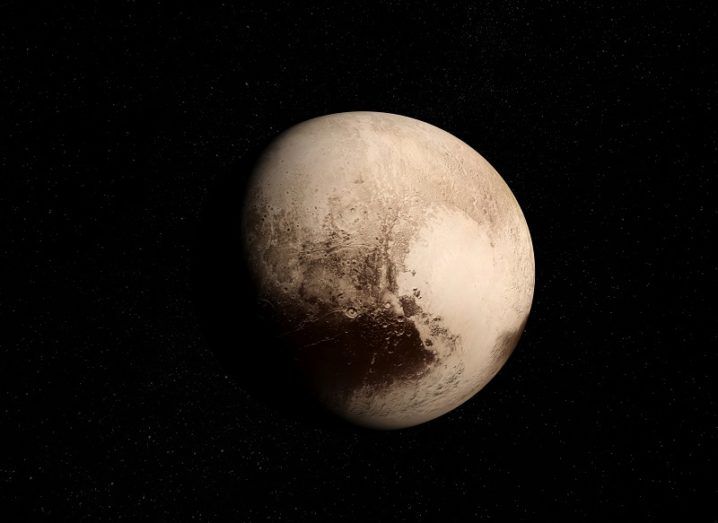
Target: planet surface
[[394, 261]]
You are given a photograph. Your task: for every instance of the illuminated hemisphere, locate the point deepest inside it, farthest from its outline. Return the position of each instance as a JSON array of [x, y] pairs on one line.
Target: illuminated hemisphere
[[394, 259]]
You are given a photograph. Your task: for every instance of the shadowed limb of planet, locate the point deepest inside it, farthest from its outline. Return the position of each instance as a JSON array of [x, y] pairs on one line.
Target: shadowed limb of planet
[[238, 333]]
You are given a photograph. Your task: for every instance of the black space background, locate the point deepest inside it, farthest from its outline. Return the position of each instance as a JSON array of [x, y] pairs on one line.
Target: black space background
[[126, 123]]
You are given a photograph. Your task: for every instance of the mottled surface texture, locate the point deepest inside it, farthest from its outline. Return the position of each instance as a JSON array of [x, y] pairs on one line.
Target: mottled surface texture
[[396, 259]]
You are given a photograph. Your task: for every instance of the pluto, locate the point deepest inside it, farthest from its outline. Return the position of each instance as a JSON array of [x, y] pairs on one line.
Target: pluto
[[394, 262]]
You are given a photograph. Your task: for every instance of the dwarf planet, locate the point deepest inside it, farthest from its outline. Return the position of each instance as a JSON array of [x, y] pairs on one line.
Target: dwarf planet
[[395, 261]]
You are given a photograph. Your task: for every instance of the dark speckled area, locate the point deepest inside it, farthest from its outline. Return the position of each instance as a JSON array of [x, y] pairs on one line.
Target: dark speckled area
[[371, 350]]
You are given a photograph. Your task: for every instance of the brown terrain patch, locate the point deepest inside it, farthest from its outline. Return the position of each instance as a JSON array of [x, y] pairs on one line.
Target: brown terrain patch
[[341, 355]]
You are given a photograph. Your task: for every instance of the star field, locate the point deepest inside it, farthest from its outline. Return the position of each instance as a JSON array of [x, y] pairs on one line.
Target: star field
[[123, 124]]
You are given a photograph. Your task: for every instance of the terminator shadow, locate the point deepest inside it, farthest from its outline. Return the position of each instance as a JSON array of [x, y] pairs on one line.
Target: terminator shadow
[[242, 337]]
